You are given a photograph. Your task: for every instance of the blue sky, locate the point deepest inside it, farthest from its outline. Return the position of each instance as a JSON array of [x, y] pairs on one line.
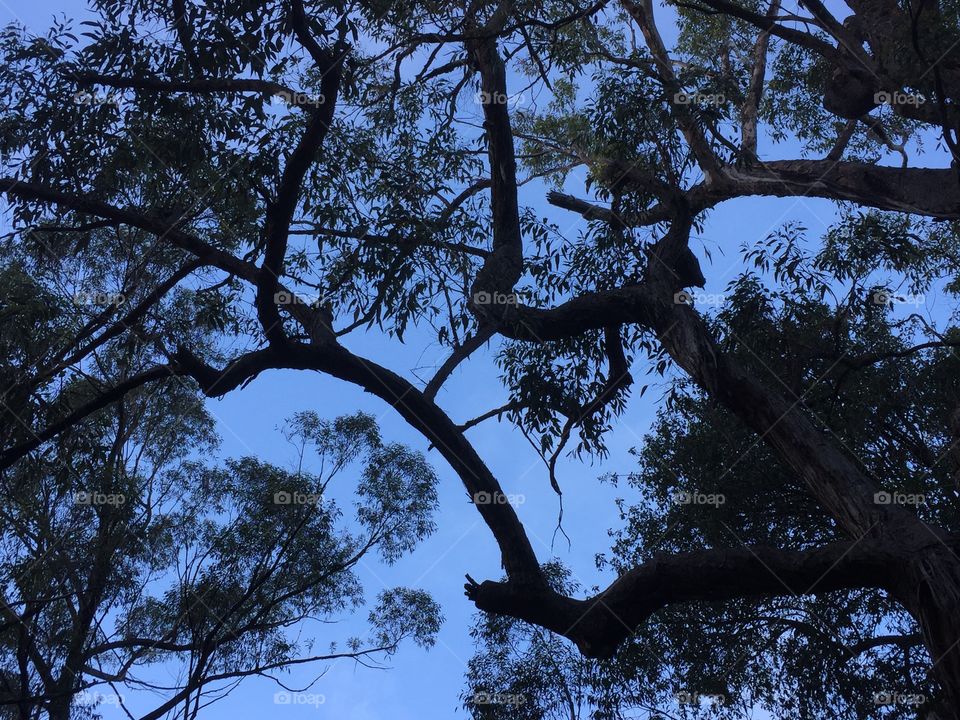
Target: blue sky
[[426, 684]]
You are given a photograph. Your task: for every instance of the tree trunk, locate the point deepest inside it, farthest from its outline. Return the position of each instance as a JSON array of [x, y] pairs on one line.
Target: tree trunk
[[59, 707], [931, 592]]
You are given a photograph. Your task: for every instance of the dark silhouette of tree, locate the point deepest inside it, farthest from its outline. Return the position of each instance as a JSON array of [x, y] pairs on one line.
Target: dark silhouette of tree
[[370, 200], [122, 549]]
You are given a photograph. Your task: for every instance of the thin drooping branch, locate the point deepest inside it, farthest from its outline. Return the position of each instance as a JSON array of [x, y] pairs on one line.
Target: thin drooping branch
[[459, 354], [902, 641], [857, 362], [843, 652], [102, 399], [392, 240], [496, 412], [129, 320], [618, 378]]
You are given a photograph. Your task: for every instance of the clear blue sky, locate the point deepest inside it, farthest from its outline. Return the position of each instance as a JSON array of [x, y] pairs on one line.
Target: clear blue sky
[[426, 684]]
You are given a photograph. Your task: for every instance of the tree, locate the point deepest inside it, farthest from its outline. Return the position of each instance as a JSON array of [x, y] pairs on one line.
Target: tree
[[122, 552], [203, 568], [369, 203], [705, 482]]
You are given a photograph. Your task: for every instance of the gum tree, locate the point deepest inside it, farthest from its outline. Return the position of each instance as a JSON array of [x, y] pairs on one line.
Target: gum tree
[[138, 576], [703, 480], [387, 193]]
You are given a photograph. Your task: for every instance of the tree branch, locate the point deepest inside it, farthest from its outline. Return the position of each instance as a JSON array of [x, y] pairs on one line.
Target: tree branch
[[600, 623], [199, 86]]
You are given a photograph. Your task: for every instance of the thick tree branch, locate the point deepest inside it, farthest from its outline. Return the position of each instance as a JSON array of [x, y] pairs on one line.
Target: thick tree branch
[[600, 623], [199, 86], [281, 209], [161, 227], [417, 409], [100, 401], [503, 267], [919, 191], [928, 192], [751, 105]]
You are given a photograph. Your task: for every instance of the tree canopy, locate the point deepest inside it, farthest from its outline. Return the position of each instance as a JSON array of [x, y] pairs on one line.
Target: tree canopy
[[121, 553], [200, 194]]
